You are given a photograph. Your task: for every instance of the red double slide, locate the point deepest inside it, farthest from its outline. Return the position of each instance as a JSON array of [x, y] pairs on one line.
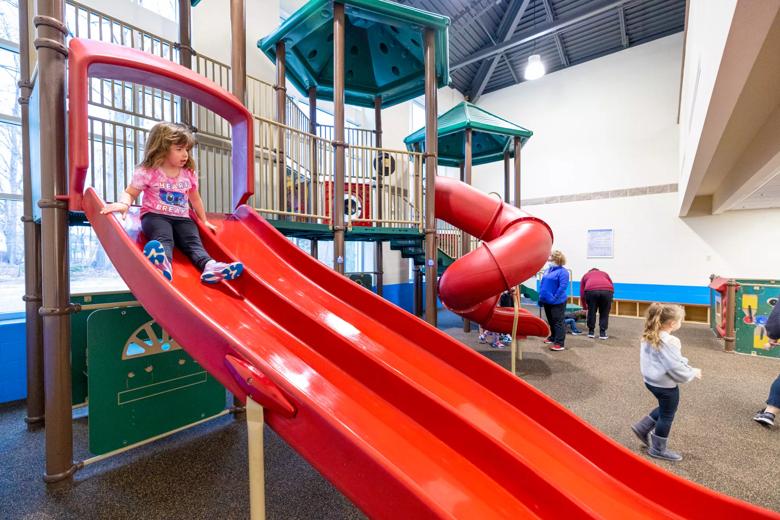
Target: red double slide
[[404, 420]]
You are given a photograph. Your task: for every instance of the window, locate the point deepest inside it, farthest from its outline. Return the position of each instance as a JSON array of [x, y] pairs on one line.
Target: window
[[11, 234]]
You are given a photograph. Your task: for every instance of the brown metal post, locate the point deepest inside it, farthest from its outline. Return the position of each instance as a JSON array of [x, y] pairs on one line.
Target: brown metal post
[[379, 266], [731, 315], [315, 183], [465, 237], [32, 238], [517, 172], [337, 209], [54, 241], [238, 48], [281, 117], [185, 54], [418, 292], [506, 176], [431, 151]]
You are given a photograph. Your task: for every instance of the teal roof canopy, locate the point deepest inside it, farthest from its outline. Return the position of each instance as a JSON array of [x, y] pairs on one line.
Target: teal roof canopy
[[490, 136], [383, 50]]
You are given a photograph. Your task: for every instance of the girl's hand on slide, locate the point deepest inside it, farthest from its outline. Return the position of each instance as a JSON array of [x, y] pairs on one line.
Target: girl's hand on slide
[[114, 207], [697, 373], [210, 226]]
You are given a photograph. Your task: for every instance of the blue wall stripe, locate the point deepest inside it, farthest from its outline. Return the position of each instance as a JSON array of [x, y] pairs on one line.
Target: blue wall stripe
[[692, 294]]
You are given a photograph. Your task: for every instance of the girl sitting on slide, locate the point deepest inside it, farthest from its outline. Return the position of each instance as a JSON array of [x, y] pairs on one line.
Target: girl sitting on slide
[[167, 178]]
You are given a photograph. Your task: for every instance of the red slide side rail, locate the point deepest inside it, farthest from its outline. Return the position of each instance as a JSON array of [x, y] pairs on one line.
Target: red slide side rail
[[98, 59], [515, 246]]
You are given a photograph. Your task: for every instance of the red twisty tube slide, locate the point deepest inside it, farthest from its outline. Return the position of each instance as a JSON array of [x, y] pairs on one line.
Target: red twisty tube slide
[[515, 246]]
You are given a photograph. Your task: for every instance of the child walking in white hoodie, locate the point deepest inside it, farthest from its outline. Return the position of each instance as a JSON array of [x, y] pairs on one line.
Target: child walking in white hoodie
[[663, 368]]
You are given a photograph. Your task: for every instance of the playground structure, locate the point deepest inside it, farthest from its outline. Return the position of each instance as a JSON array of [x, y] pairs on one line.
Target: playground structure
[[739, 308], [343, 375], [468, 135]]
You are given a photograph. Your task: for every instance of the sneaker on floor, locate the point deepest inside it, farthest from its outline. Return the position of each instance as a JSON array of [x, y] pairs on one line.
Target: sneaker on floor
[[603, 336], [506, 338], [498, 344], [591, 335], [765, 418], [482, 338], [547, 341], [155, 253], [557, 348], [576, 333], [215, 272]]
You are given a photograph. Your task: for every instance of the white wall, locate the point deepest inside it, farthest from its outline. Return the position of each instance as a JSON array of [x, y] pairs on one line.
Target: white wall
[[611, 124], [654, 246], [607, 124]]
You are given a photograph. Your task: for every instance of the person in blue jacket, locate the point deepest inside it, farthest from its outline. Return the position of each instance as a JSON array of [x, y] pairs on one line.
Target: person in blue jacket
[[552, 296]]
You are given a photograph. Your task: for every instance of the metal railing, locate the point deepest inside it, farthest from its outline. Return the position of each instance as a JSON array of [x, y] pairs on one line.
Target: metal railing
[[352, 136], [296, 180]]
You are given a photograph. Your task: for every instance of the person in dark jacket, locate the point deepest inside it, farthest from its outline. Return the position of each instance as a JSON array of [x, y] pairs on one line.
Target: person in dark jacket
[[596, 292], [767, 416], [552, 296]]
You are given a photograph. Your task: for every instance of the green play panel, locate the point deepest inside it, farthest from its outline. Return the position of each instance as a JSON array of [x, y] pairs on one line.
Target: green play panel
[[491, 136], [141, 383], [89, 303], [755, 300], [383, 50]]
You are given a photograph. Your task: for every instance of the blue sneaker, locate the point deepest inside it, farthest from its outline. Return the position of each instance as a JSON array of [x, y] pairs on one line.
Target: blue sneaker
[[215, 272], [155, 253]]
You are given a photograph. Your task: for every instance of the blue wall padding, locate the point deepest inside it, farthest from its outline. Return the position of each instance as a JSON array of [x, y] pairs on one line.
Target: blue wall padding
[[13, 361], [692, 294]]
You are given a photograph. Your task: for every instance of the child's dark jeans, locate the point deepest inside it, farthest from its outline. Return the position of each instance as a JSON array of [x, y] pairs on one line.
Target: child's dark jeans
[[668, 399]]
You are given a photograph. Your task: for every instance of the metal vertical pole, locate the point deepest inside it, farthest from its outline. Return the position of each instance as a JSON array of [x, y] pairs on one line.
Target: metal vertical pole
[[517, 172], [337, 209], [731, 316], [238, 69], [506, 176], [465, 238], [418, 293], [281, 117], [185, 55], [431, 151], [315, 184], [238, 48], [56, 309], [32, 237], [380, 173]]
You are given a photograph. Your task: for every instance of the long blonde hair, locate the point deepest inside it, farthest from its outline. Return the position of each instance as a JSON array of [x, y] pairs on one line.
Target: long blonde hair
[[558, 258], [161, 138], [658, 314]]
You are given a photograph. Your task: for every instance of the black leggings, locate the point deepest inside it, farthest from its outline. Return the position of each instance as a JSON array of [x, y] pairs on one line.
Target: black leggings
[[179, 231], [598, 301], [668, 399]]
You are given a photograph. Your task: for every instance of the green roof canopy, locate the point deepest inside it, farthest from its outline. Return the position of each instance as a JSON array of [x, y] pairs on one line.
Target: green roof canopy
[[491, 135], [383, 51]]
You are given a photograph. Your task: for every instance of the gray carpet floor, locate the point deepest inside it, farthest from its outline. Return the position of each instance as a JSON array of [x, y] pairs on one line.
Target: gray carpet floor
[[201, 473]]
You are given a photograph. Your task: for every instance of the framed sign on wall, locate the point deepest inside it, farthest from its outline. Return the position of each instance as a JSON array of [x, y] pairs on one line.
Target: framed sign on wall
[[601, 243]]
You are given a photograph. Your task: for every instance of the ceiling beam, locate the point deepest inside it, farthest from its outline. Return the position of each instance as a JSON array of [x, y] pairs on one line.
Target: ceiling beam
[[509, 22], [623, 33], [556, 37], [511, 69], [580, 15]]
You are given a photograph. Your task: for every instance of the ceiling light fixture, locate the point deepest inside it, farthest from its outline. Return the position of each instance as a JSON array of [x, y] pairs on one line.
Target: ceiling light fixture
[[535, 68]]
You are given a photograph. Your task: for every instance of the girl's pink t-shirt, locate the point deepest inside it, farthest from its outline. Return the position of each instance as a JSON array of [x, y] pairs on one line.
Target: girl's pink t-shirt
[[162, 194]]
